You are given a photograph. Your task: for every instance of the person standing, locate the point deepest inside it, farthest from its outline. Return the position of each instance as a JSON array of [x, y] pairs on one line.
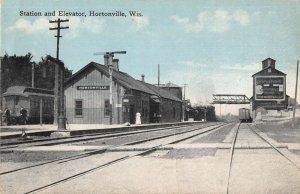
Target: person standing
[[23, 113], [7, 116], [138, 118]]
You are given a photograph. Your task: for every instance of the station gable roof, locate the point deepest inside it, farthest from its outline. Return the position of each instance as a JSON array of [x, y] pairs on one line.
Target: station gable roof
[[265, 72], [161, 92], [123, 79]]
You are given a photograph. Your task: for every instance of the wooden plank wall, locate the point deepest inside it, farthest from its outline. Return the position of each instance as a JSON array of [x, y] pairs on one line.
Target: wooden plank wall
[[93, 100]]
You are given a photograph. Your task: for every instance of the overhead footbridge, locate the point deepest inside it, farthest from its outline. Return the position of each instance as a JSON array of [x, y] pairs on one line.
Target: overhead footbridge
[[230, 99]]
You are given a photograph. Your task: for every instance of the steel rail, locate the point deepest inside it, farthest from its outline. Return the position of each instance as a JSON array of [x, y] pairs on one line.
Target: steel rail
[[261, 137], [231, 157], [93, 134], [149, 139], [273, 146], [108, 164], [98, 151]]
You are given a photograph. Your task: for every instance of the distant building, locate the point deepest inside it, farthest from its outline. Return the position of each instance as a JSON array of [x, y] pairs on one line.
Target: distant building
[[269, 88], [172, 88], [177, 91], [87, 98]]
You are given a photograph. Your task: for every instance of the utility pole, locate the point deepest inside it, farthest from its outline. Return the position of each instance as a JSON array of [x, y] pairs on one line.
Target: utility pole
[[1, 111], [158, 76], [184, 102], [108, 59], [32, 75], [58, 28], [184, 86], [58, 106], [295, 105], [205, 111]]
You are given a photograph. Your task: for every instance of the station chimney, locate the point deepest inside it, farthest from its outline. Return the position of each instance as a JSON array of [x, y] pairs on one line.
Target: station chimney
[[115, 64], [106, 57], [143, 78]]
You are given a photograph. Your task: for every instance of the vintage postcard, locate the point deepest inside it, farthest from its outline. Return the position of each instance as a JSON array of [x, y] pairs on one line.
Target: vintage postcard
[[137, 96]]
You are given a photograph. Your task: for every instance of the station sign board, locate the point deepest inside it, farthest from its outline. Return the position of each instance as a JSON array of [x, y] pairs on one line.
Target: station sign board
[[93, 87], [269, 88]]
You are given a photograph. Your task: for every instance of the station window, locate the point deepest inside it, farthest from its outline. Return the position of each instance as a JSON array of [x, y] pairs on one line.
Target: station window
[[78, 108], [106, 108]]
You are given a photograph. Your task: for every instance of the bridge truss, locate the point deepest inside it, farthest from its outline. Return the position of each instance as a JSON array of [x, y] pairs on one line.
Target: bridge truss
[[230, 99]]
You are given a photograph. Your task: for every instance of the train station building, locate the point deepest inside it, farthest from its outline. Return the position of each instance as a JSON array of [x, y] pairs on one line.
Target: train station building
[[87, 95], [269, 88]]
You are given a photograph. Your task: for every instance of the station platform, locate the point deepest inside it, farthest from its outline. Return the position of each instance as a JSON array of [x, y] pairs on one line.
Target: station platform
[[15, 131]]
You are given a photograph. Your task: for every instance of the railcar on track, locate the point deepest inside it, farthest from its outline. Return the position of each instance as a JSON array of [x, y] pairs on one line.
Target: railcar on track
[[25, 105], [244, 115]]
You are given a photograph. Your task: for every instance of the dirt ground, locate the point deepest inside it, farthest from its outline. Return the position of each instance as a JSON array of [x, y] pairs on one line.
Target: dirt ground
[[282, 131]]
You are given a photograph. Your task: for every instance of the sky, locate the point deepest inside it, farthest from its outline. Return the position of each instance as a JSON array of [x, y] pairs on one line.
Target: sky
[[212, 46]]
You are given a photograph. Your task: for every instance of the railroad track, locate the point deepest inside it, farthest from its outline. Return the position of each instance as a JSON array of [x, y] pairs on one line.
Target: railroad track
[[102, 150], [260, 135], [180, 136], [85, 137]]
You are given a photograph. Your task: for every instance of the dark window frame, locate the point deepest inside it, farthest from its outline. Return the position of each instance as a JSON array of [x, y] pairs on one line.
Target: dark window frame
[[106, 108], [78, 109]]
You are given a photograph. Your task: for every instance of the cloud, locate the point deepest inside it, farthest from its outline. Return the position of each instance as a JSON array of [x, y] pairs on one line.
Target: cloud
[[190, 63], [140, 23], [90, 24], [218, 21], [188, 25], [250, 67], [241, 17], [42, 25], [38, 25]]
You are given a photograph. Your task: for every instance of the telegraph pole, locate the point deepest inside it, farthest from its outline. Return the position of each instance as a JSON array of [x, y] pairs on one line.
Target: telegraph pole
[[184, 86], [205, 111], [1, 91], [295, 105], [183, 104], [32, 75], [58, 28], [158, 76], [58, 106]]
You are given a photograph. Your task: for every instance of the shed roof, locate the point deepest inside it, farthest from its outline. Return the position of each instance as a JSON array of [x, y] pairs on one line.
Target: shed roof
[[26, 91]]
